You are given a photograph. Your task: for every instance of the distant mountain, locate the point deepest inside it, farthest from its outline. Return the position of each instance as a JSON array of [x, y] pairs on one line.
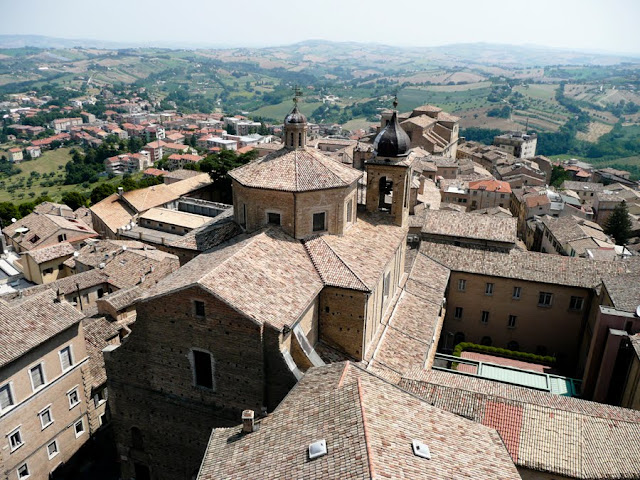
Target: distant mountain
[[455, 54]]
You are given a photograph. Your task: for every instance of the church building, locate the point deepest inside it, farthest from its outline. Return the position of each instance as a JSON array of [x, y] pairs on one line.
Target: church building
[[309, 281]]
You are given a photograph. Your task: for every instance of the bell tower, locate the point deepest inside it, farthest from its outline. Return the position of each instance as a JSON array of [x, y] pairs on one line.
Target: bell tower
[[389, 172], [295, 125]]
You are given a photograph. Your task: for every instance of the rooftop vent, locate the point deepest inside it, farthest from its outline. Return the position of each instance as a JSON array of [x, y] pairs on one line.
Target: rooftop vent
[[421, 450], [317, 449]]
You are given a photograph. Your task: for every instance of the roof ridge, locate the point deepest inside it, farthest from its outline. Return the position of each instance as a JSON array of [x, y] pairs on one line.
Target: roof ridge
[[319, 238], [367, 440], [321, 158], [519, 400]]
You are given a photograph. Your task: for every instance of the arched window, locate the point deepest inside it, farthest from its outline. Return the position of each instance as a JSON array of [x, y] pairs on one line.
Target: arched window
[[458, 338], [486, 341], [385, 194], [291, 139], [513, 345], [137, 441], [299, 139]]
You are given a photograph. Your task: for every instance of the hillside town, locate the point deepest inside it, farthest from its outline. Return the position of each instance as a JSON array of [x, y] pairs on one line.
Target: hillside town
[[296, 301]]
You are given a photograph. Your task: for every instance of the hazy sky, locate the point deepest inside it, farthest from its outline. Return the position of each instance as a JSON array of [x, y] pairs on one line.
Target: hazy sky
[[602, 25]]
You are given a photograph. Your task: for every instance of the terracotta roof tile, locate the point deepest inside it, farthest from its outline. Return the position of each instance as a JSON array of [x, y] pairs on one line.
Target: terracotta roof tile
[[295, 171]]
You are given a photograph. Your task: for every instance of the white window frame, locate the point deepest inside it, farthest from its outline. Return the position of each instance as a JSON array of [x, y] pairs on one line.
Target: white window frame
[[517, 293], [12, 397], [75, 424], [55, 442], [462, 285], [68, 347], [16, 430], [105, 394], [41, 414], [488, 288], [73, 405], [22, 477], [44, 377]]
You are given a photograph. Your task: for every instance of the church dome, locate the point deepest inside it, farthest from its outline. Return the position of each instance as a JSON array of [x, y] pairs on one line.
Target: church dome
[[392, 141], [295, 117]]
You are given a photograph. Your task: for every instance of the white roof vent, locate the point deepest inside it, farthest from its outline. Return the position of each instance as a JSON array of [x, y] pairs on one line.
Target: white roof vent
[[421, 450], [317, 449]]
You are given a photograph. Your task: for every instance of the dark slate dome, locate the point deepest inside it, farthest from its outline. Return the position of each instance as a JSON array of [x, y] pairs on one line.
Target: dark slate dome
[[295, 117], [392, 141]]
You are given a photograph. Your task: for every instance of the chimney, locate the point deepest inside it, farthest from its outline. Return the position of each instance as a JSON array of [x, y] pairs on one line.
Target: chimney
[[59, 296], [120, 191], [247, 421]]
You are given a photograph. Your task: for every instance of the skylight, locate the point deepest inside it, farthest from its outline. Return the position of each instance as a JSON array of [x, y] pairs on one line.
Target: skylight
[[421, 450], [317, 449]]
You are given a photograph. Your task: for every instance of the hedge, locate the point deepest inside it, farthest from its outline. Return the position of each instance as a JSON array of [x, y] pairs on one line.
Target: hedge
[[503, 352]]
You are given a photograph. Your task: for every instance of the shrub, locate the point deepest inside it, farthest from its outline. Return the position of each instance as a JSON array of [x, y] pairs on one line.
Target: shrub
[[503, 352]]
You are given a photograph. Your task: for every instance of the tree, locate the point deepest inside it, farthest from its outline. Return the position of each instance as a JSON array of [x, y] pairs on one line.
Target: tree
[[74, 200], [618, 225], [102, 191], [558, 176]]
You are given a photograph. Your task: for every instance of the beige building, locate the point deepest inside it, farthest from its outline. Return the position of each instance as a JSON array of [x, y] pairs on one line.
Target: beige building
[[519, 300], [38, 230], [46, 264], [43, 405]]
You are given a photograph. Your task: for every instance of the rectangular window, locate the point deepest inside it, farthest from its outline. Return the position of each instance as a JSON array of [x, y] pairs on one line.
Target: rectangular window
[[488, 289], [6, 397], [462, 285], [47, 271], [100, 293], [457, 313], [74, 399], [23, 471], [576, 303], [273, 218], [319, 222], [37, 377], [15, 439], [66, 360], [386, 284], [199, 308], [350, 211], [516, 293], [52, 449], [62, 237], [203, 369], [512, 321], [79, 428], [485, 317], [45, 418], [545, 299], [100, 397]]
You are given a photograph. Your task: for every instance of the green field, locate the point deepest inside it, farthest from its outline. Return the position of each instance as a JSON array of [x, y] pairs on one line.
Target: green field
[[451, 101], [50, 161]]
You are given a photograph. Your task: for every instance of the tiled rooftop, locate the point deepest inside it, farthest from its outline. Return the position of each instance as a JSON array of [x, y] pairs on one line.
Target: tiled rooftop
[[529, 266], [464, 225], [295, 171], [97, 332], [624, 291], [42, 227], [543, 432], [30, 321], [267, 276], [44, 254], [368, 425]]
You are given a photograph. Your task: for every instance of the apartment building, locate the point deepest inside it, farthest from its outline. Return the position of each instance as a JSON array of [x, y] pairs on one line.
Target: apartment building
[[43, 406]]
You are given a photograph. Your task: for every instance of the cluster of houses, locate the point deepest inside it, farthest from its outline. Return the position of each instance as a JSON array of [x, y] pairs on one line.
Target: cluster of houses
[[306, 330]]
